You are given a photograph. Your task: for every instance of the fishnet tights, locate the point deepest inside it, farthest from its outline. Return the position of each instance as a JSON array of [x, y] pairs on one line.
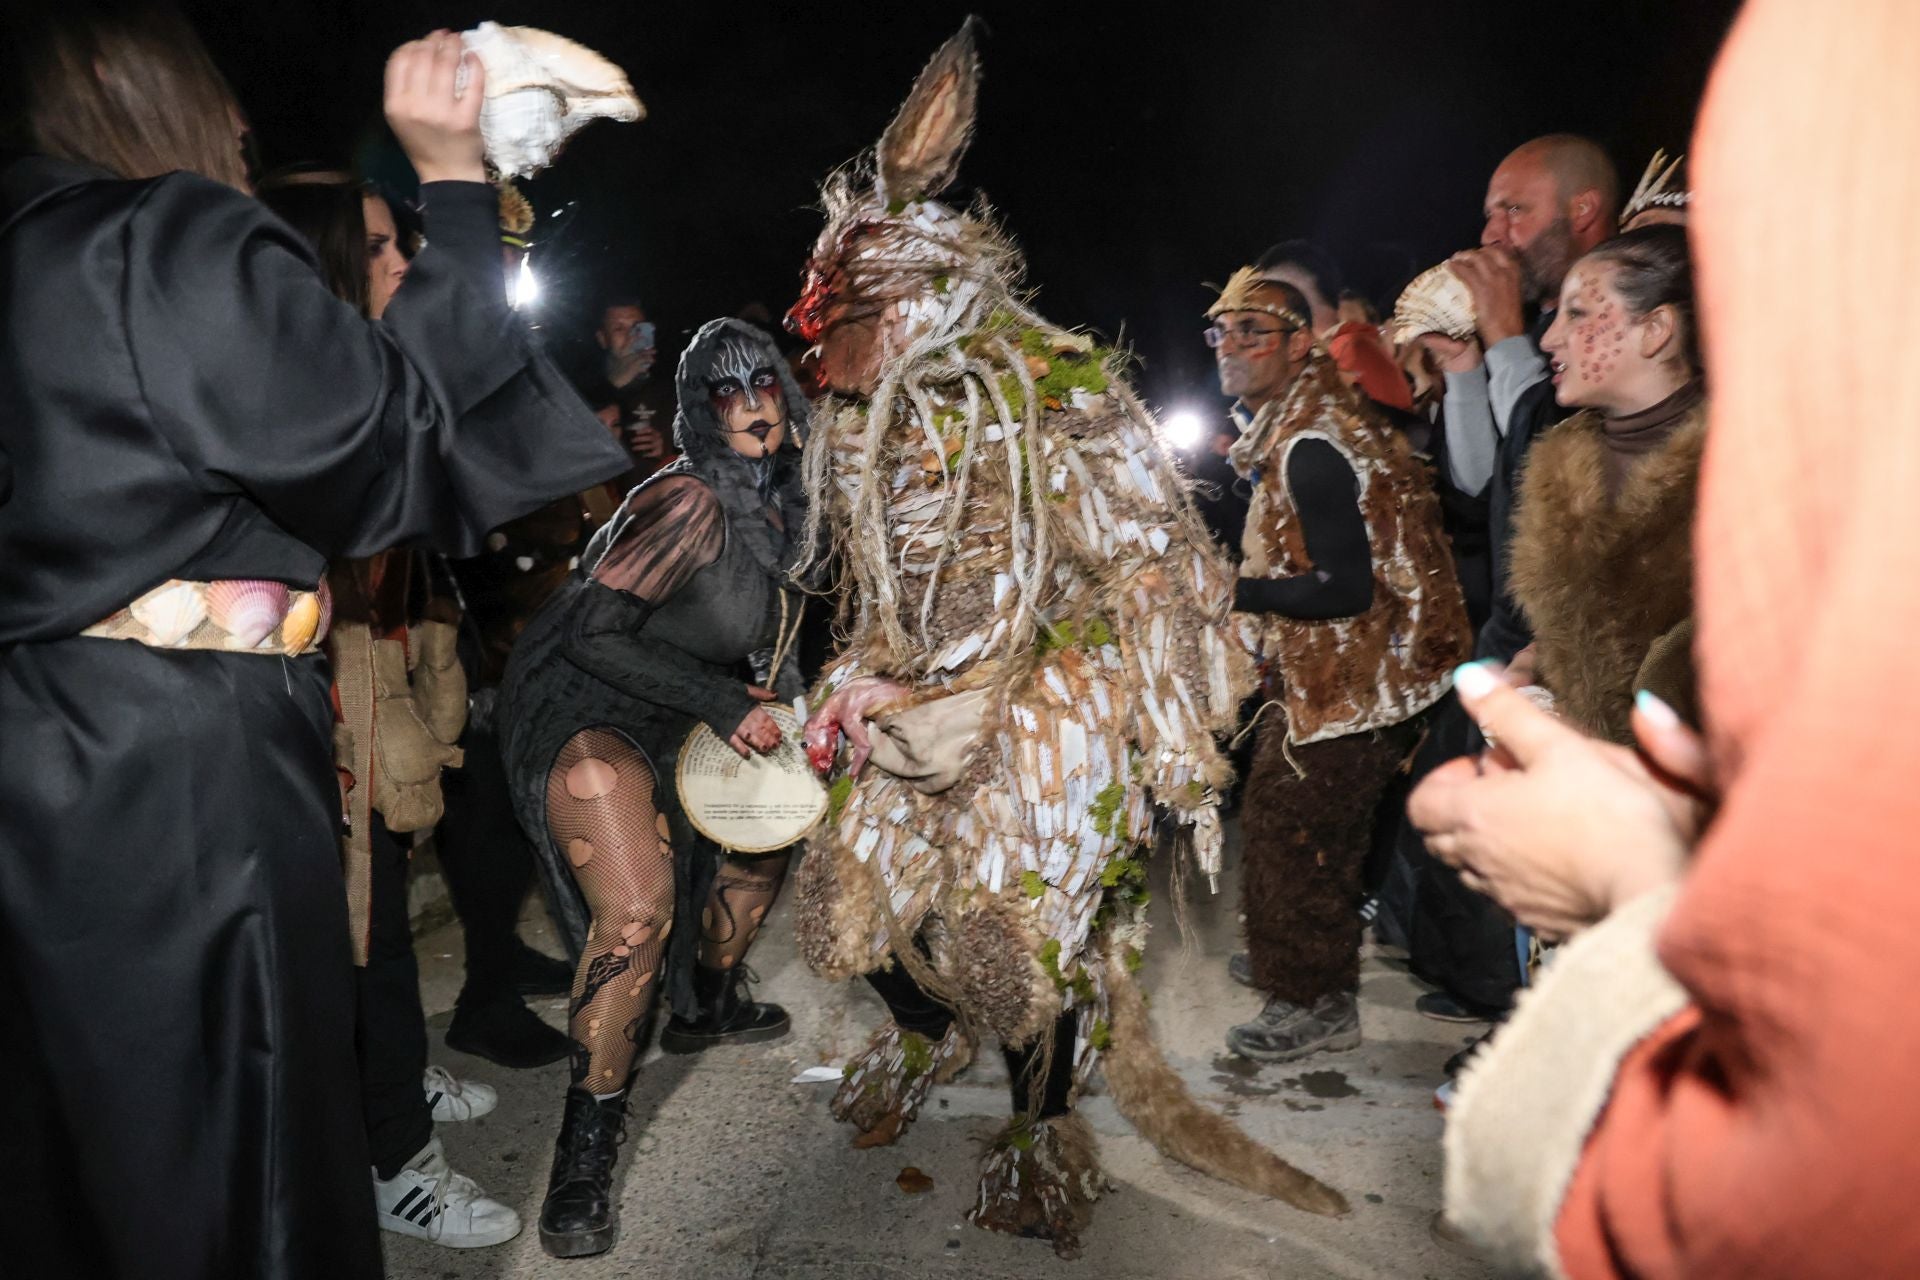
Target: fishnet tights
[[743, 893], [600, 810]]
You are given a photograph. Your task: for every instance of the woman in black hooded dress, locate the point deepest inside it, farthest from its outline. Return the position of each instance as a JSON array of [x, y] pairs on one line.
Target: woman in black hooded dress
[[189, 407], [680, 599]]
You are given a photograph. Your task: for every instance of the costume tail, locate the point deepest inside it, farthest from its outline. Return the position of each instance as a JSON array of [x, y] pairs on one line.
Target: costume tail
[[1157, 1103]]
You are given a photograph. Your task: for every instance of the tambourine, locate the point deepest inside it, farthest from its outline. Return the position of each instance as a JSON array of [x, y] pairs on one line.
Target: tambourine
[[757, 805]]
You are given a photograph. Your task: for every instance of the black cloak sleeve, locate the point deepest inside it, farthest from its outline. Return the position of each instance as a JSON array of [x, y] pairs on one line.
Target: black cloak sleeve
[[436, 424]]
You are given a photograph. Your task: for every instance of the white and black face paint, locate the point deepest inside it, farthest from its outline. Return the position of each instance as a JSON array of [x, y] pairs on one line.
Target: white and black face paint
[[748, 399]]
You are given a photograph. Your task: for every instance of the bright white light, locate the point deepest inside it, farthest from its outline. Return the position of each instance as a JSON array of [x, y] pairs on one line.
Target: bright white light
[[526, 289], [1184, 428]]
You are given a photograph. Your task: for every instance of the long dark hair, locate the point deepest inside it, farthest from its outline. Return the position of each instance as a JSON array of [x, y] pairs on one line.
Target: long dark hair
[[1653, 267], [327, 209], [122, 84]]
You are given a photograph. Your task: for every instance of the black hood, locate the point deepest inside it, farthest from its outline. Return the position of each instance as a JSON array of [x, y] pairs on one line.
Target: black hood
[[745, 486], [697, 431]]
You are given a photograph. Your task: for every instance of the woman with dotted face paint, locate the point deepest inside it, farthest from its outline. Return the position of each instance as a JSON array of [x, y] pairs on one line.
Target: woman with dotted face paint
[[1602, 563]]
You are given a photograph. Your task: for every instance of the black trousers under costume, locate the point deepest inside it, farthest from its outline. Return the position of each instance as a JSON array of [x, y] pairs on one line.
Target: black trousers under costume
[[1043, 1098], [1306, 834]]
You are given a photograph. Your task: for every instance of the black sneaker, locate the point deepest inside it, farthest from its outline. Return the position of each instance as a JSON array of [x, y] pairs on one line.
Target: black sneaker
[[503, 1030], [1442, 1006], [535, 973], [1240, 968], [727, 1014], [1285, 1032]]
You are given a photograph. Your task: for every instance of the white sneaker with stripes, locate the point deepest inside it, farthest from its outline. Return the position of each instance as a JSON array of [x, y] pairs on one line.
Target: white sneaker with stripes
[[453, 1099], [429, 1201]]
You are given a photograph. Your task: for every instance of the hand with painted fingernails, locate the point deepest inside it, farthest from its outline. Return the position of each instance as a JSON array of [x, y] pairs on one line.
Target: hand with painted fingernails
[[759, 732], [1557, 827]]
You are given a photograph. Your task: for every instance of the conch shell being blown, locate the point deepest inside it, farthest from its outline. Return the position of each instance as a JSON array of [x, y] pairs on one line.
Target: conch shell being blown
[[1436, 301], [541, 89]]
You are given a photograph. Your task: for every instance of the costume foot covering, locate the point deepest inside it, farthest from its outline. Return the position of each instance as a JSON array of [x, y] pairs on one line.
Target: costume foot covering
[[884, 1087], [1040, 1180]]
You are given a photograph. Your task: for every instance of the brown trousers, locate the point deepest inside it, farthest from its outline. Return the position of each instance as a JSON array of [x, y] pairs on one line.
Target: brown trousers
[[1305, 841]]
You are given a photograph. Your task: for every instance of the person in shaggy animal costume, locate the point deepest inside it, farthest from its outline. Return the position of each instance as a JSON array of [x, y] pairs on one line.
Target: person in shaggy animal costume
[[1037, 653]]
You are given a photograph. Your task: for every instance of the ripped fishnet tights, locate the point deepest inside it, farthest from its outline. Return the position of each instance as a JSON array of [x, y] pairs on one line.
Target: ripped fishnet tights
[[600, 810], [743, 893]]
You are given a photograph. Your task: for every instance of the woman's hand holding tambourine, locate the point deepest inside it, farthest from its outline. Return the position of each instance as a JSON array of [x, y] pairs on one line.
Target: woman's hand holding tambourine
[[759, 731]]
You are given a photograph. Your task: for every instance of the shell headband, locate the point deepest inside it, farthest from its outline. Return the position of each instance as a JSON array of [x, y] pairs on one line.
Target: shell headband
[[1241, 293]]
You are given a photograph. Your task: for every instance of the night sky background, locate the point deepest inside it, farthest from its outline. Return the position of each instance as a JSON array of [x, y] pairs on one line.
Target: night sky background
[[1134, 151]]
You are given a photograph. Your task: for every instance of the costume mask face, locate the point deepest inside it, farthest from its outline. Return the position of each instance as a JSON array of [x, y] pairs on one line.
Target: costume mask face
[[885, 271], [749, 401]]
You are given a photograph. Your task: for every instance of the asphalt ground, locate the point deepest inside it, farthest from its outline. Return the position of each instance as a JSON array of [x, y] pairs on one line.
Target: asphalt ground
[[731, 1170]]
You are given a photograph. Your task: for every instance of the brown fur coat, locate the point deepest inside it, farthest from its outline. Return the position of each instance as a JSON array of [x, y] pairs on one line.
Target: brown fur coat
[[1601, 580]]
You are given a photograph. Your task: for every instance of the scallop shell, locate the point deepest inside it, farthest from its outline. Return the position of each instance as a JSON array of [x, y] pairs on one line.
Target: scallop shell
[[1436, 302], [170, 613], [247, 609], [301, 625], [541, 88]]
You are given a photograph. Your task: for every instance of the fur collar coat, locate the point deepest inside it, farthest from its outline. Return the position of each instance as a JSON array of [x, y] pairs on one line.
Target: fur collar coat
[[1602, 577]]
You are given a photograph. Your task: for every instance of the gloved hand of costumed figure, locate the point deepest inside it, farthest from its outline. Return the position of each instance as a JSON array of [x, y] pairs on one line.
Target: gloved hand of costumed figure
[[847, 710]]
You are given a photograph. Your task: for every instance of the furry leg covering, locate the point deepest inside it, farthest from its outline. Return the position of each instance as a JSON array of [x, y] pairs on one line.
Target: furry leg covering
[[883, 1088], [1040, 1179], [1306, 843], [1157, 1103]]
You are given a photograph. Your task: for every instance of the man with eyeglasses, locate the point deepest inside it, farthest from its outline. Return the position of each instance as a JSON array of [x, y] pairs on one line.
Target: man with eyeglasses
[[1361, 623]]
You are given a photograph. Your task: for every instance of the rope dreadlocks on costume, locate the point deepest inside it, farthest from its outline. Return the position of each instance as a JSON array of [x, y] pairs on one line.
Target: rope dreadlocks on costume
[[1038, 653]]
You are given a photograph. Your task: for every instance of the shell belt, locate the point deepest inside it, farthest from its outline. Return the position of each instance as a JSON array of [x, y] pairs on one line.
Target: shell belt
[[242, 615]]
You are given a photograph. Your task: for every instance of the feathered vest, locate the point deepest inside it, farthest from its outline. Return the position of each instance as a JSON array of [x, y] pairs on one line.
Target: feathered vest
[[1602, 579], [1384, 666]]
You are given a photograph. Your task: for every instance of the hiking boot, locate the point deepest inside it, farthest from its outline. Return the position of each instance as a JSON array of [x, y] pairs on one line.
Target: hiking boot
[[1284, 1032], [727, 1015], [1240, 968], [577, 1219]]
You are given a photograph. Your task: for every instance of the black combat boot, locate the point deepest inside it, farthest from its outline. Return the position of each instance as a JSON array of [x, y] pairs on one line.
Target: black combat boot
[[577, 1219], [727, 1014]]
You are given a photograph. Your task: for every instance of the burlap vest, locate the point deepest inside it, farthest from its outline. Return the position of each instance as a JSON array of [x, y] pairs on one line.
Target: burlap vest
[[1350, 675]]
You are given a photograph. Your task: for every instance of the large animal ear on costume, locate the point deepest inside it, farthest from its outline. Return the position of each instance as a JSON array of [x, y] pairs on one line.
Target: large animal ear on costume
[[920, 152]]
